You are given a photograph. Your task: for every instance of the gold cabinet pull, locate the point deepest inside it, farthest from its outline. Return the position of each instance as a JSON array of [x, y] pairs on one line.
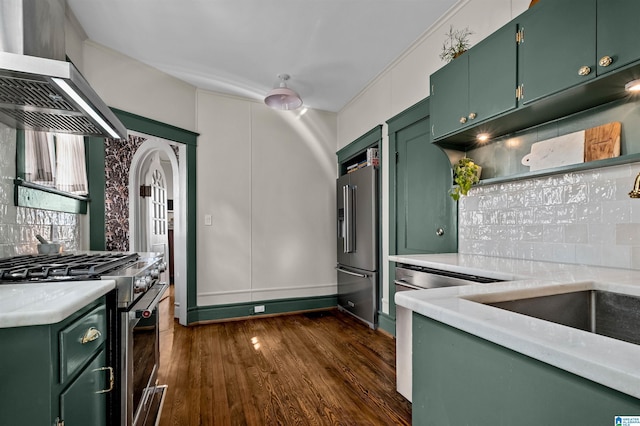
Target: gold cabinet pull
[[90, 335], [585, 70], [605, 61], [111, 379], [463, 120], [472, 116]]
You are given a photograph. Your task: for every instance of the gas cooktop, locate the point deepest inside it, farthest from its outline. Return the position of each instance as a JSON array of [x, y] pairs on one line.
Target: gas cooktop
[[62, 267]]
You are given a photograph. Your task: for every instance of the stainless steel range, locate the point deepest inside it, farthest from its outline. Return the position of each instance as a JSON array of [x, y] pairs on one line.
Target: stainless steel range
[[134, 334]]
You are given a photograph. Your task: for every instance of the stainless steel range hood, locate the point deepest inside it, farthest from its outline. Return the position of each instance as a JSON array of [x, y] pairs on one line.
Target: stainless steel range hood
[[39, 90]]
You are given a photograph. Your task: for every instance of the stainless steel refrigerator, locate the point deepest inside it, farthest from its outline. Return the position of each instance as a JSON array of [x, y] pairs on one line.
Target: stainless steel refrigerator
[[358, 246]]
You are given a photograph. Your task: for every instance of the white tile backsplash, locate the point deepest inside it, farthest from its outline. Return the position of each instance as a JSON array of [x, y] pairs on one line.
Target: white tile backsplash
[[19, 225], [582, 217]]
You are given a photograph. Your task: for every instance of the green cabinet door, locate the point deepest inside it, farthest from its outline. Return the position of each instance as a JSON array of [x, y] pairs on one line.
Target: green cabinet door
[[450, 96], [83, 402], [559, 40], [492, 75], [477, 86], [618, 33], [423, 178]]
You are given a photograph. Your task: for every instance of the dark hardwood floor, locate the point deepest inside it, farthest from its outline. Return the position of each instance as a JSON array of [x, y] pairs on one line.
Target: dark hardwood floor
[[320, 368]]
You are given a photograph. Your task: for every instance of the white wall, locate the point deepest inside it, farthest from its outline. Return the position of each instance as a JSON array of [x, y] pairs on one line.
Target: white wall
[[267, 179], [132, 86], [406, 81]]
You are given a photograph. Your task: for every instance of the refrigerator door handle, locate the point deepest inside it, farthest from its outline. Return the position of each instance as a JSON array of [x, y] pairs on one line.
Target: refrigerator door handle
[[355, 274], [345, 203], [347, 196]]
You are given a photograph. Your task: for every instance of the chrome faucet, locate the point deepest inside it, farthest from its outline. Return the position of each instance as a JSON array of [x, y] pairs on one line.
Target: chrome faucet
[[635, 192]]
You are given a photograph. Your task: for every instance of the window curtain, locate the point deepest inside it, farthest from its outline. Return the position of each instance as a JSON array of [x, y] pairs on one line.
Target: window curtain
[[71, 168], [40, 164]]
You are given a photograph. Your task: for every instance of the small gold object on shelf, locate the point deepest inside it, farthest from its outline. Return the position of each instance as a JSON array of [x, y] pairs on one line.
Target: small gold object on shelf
[[635, 192]]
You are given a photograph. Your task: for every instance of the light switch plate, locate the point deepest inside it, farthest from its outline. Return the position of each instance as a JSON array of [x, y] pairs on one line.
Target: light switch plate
[[207, 219]]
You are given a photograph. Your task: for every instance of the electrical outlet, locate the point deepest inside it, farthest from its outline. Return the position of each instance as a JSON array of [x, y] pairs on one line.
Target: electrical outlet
[[258, 309]]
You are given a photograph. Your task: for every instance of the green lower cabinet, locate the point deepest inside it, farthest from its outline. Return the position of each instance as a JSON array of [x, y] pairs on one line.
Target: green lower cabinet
[[84, 402], [461, 379], [37, 388]]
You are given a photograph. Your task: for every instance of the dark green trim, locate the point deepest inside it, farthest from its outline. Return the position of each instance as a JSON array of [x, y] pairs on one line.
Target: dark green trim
[[415, 112], [191, 256], [97, 183], [242, 310], [156, 128], [165, 131], [95, 156], [371, 138], [20, 155], [387, 323], [32, 196], [409, 116], [392, 287]]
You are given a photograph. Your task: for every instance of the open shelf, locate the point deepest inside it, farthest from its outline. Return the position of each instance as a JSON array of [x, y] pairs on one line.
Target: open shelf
[[625, 159]]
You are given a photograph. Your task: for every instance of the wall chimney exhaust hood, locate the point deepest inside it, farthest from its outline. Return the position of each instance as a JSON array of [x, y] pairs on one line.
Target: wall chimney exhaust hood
[[39, 90]]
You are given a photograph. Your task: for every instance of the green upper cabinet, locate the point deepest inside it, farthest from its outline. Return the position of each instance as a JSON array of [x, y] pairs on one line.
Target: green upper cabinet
[[557, 58], [450, 96], [476, 86], [557, 47], [618, 34]]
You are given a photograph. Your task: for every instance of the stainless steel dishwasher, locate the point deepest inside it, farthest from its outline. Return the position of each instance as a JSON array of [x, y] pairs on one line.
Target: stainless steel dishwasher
[[411, 278]]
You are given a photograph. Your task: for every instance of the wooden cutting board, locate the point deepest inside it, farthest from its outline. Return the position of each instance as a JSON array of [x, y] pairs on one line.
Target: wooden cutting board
[[592, 144], [602, 142]]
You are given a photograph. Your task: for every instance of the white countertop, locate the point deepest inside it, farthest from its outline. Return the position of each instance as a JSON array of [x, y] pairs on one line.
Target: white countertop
[[47, 303], [607, 361]]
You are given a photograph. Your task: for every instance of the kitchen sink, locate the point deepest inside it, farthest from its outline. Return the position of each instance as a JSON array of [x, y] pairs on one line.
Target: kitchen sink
[[601, 312]]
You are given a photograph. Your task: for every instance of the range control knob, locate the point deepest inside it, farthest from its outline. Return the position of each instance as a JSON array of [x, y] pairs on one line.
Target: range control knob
[[155, 273], [162, 266], [148, 279], [140, 285]]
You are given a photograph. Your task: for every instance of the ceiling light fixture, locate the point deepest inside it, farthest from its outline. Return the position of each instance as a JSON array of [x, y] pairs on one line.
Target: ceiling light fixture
[[632, 86], [282, 97]]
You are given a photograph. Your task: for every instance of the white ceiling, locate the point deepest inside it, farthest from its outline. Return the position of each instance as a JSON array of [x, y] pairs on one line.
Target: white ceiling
[[331, 48]]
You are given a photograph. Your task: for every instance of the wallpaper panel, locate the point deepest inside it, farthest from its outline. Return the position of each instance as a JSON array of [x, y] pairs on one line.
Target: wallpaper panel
[[118, 156]]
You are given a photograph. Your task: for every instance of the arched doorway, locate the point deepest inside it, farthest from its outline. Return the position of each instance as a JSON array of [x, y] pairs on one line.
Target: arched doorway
[[156, 164]]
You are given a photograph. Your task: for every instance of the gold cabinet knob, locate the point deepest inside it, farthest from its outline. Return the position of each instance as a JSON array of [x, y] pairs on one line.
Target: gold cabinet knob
[[585, 70], [90, 335], [605, 61], [472, 115], [463, 120]]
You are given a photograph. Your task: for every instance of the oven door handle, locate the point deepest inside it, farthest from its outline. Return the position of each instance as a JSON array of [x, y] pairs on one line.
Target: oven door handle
[[149, 301]]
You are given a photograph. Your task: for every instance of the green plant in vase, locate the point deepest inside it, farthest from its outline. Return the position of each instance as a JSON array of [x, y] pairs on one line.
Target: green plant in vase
[[456, 43], [466, 173]]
